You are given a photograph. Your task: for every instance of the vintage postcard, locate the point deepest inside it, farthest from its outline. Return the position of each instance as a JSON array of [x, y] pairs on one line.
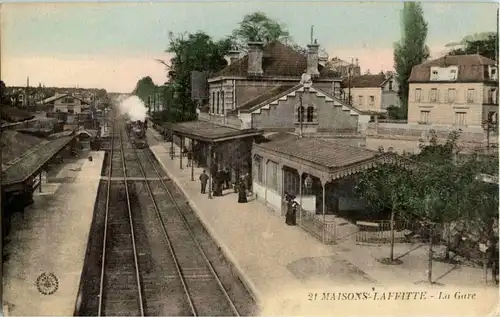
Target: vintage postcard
[[249, 158]]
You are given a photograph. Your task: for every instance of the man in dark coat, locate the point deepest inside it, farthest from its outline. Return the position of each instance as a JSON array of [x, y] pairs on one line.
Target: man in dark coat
[[203, 181], [242, 191], [291, 210]]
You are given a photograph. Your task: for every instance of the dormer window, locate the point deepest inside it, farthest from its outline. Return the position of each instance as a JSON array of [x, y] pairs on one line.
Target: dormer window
[[493, 73], [453, 74], [390, 85], [434, 75]]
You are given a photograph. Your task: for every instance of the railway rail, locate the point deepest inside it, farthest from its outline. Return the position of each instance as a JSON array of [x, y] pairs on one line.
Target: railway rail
[[156, 258]]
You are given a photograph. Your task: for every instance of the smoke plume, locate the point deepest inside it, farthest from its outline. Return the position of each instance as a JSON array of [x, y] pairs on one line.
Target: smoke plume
[[133, 107]]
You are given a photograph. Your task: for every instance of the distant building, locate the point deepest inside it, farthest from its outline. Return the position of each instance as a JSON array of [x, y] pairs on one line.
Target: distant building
[[342, 67], [460, 90], [372, 92], [67, 103]]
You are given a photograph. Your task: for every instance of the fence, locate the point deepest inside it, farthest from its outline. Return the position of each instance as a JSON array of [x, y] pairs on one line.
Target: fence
[[323, 230], [379, 231]]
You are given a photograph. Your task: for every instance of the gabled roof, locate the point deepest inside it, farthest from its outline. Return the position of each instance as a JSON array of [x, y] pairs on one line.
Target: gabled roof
[[274, 94], [271, 94], [365, 81], [470, 68], [279, 60], [332, 155], [57, 97]]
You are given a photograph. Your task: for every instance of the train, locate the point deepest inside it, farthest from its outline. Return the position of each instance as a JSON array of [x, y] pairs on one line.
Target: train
[[137, 133]]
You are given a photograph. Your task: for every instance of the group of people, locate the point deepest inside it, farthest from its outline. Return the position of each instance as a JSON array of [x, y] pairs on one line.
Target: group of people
[[222, 180]]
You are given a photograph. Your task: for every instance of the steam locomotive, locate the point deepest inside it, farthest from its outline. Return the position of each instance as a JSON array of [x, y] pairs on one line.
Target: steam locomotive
[[137, 133]]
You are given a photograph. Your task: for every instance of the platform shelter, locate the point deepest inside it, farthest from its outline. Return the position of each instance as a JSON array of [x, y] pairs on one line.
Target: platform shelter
[[213, 146], [320, 173]]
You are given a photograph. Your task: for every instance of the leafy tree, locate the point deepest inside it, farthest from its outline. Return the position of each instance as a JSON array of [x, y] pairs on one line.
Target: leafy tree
[[386, 187], [192, 52], [4, 95], [486, 47], [411, 50], [144, 88], [258, 27]]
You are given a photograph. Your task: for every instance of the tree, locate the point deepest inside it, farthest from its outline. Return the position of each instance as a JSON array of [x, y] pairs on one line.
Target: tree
[[144, 88], [192, 52], [411, 50], [258, 27], [4, 95], [386, 187], [486, 47]]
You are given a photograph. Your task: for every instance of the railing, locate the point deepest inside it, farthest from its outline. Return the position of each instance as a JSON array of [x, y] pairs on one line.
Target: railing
[[323, 230], [379, 231]]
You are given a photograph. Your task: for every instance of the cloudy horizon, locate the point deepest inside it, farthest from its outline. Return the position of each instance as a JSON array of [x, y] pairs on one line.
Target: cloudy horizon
[[112, 46]]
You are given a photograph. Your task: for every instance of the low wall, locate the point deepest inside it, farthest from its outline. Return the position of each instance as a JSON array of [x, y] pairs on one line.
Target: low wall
[[407, 137]]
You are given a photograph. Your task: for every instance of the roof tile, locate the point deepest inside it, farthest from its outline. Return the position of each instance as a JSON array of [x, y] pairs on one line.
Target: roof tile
[[279, 60], [330, 154], [471, 68]]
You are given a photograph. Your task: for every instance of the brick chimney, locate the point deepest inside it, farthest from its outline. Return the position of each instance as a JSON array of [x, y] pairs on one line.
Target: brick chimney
[[312, 59], [233, 55], [255, 54]]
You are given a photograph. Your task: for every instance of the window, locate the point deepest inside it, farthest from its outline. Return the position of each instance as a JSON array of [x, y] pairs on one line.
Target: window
[[493, 74], [492, 96], [451, 95], [425, 116], [460, 118], [390, 85], [433, 96], [470, 95], [213, 101], [434, 75], [69, 100], [492, 116], [360, 101], [453, 74], [310, 114], [222, 101], [372, 101], [300, 114], [418, 95], [272, 175], [218, 102]]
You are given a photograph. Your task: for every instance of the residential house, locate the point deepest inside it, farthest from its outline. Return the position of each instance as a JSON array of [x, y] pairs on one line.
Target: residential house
[[343, 67], [459, 91], [373, 93], [67, 103], [266, 90]]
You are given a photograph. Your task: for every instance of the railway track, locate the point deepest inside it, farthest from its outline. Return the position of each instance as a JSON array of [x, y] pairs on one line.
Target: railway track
[[156, 258]]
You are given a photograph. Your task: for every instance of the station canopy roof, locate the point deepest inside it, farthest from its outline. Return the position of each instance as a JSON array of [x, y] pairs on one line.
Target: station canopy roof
[[209, 132]]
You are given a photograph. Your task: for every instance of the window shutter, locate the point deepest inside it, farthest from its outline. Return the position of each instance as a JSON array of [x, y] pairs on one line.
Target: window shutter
[[445, 96]]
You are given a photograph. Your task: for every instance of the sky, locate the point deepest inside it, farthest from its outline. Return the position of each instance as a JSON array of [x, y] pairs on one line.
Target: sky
[[113, 45]]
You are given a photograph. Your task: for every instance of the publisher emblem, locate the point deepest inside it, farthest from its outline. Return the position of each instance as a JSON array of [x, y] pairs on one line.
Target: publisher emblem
[[47, 283]]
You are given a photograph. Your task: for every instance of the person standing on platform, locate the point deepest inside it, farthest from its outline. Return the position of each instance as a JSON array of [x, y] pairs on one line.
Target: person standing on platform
[[291, 210], [203, 181], [190, 158], [242, 191]]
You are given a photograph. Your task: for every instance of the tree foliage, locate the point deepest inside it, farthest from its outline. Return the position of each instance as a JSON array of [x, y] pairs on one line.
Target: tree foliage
[[485, 47], [411, 50], [144, 88], [438, 190], [192, 52], [258, 27]]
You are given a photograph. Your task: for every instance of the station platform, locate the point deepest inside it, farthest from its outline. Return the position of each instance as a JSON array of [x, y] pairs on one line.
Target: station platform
[[289, 272], [51, 237]]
